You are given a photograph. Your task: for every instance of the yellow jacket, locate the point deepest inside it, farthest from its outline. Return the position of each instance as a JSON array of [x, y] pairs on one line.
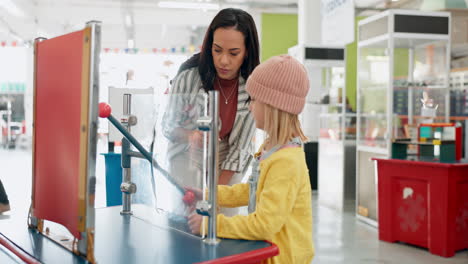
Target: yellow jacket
[[283, 212]]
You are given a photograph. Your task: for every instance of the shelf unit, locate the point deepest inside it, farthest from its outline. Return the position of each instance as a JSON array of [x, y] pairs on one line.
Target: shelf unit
[[392, 44]]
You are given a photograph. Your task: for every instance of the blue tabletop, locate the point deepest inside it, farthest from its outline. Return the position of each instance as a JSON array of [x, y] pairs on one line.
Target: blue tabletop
[[130, 239], [7, 257]]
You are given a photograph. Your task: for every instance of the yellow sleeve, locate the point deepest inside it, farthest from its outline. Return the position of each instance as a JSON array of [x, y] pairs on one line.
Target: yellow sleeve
[[233, 196], [273, 208]]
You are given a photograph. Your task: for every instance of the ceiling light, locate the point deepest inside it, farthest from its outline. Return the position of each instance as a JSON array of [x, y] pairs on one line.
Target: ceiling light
[[188, 5], [12, 8]]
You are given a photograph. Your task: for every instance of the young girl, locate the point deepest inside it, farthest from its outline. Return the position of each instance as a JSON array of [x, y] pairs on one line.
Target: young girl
[[278, 193]]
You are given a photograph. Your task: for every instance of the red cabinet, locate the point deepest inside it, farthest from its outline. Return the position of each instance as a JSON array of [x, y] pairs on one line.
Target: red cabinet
[[424, 204]]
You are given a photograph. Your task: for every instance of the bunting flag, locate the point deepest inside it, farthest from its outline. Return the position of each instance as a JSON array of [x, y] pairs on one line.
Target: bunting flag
[[173, 50], [14, 43], [12, 87]]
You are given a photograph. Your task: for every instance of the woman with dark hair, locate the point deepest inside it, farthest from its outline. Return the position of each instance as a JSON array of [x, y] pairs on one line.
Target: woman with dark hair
[[229, 54]]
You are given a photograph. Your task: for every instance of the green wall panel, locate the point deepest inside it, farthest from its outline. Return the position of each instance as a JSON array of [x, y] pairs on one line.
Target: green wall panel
[[279, 32], [351, 67], [400, 66]]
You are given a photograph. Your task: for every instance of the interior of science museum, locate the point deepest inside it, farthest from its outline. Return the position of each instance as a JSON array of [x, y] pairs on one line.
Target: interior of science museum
[[234, 131]]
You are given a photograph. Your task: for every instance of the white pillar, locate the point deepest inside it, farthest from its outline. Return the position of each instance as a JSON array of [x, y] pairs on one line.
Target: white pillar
[[310, 34], [310, 22]]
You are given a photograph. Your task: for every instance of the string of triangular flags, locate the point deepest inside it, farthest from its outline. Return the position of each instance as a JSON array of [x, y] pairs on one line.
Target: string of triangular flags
[[12, 44], [164, 50], [182, 49]]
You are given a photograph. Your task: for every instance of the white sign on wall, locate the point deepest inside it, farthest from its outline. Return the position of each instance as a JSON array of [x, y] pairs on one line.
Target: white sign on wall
[[337, 22]]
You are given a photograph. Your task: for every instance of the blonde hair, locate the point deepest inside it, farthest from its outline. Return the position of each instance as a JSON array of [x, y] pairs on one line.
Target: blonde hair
[[280, 126]]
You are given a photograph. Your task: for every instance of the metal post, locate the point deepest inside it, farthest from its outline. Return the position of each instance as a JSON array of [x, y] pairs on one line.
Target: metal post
[[213, 165], [466, 139], [205, 161], [8, 123], [448, 58], [126, 185], [391, 68], [410, 86], [127, 109]]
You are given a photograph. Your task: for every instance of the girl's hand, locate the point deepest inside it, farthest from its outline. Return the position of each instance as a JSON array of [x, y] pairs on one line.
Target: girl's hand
[[192, 195], [195, 221], [196, 138]]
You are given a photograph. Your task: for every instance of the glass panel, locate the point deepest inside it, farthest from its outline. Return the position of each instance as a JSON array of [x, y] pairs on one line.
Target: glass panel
[[333, 89], [142, 108], [431, 85], [459, 94], [420, 94], [331, 126], [332, 112], [367, 195], [180, 150], [373, 82]]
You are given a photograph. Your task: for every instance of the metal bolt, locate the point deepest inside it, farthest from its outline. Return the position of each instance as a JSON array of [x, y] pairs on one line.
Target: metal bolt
[[128, 187], [203, 208]]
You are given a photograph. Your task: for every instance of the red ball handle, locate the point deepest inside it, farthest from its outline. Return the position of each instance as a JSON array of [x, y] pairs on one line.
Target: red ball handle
[[104, 110], [189, 197]]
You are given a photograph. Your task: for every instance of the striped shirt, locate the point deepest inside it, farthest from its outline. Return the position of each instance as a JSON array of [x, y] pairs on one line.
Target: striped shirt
[[186, 105]]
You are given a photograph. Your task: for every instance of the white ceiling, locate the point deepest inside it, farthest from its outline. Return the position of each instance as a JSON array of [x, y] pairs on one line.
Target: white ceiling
[[151, 26]]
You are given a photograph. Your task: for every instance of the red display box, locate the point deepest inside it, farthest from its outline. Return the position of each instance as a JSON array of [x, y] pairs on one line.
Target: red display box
[[423, 204]]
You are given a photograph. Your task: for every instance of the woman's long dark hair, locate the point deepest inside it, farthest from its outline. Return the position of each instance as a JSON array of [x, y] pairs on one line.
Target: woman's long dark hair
[[226, 18]]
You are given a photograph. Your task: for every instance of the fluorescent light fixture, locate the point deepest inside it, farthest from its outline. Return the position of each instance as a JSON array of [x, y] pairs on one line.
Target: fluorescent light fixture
[[188, 5], [12, 8], [130, 43]]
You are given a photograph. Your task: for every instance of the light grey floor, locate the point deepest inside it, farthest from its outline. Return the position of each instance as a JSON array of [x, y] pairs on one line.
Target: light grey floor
[[339, 237]]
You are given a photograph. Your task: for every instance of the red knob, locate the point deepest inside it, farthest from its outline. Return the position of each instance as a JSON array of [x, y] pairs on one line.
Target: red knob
[[104, 110], [189, 197]]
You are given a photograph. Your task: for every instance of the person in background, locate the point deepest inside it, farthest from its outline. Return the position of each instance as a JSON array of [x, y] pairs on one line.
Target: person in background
[[278, 193], [229, 54], [129, 77], [4, 203]]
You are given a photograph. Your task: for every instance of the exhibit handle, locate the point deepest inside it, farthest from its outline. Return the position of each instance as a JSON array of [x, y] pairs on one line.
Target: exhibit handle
[[105, 111]]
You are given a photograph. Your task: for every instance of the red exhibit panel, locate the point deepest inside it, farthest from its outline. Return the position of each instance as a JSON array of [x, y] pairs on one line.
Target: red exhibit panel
[[58, 130]]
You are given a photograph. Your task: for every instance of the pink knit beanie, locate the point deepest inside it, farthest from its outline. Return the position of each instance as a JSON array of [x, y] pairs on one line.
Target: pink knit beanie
[[281, 82]]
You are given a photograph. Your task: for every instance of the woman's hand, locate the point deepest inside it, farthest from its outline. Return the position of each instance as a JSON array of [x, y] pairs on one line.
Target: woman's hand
[[195, 221], [225, 177]]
